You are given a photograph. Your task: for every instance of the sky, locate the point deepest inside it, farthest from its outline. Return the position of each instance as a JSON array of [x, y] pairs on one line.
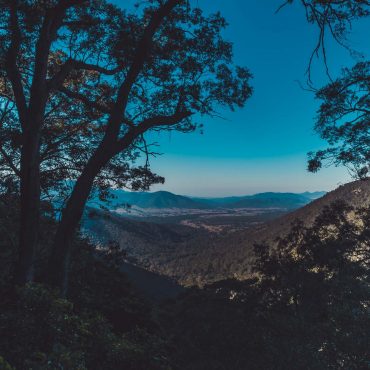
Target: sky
[[263, 146]]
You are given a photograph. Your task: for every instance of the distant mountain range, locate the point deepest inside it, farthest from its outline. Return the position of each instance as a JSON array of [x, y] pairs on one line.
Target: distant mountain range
[[265, 200], [194, 256], [236, 250], [165, 199]]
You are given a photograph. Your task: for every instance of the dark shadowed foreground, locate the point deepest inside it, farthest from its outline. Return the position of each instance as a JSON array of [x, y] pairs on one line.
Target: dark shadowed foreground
[[306, 308]]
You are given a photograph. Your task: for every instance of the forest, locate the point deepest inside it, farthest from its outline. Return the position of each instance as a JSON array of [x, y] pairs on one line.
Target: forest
[[83, 83]]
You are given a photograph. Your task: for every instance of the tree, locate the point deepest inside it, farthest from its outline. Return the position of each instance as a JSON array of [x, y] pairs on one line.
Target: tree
[[343, 117], [344, 122], [26, 46], [305, 307], [319, 277], [159, 70], [66, 137], [57, 132]]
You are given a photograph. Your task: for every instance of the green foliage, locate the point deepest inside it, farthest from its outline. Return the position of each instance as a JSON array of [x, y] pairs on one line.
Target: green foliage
[[307, 308], [102, 287], [187, 68], [344, 121], [9, 237], [39, 330], [318, 277], [102, 325], [4, 365]]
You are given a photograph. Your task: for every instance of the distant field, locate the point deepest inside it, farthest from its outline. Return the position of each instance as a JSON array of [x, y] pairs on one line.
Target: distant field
[[198, 246], [213, 220]]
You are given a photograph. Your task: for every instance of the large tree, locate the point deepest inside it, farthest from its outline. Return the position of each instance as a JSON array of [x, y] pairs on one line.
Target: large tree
[[344, 122], [158, 69], [343, 118], [46, 137]]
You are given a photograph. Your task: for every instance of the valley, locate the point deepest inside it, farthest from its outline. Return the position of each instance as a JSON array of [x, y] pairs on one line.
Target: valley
[[198, 246], [184, 185], [213, 220]]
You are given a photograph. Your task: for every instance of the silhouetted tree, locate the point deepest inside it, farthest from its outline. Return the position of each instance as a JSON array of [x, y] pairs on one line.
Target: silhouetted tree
[[67, 135], [344, 121], [333, 18], [319, 276], [130, 73], [305, 308], [344, 115], [66, 130]]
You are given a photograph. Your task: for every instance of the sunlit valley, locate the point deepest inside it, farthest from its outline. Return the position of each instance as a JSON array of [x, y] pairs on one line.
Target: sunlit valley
[[184, 185]]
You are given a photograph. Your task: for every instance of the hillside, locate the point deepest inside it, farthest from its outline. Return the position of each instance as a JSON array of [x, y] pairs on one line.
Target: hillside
[[166, 199], [236, 250], [158, 199], [194, 256], [278, 200]]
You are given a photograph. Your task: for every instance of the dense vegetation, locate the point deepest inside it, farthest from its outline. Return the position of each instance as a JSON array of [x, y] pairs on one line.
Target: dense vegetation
[[306, 308], [102, 325], [197, 256], [81, 82]]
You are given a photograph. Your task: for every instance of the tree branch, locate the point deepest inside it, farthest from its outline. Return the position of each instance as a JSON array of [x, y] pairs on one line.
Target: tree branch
[[158, 121], [72, 64], [148, 124], [82, 98], [53, 21], [11, 63], [10, 163], [140, 57], [94, 67]]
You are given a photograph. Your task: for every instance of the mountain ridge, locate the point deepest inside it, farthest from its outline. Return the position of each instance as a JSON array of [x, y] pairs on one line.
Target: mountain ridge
[[197, 257], [166, 199]]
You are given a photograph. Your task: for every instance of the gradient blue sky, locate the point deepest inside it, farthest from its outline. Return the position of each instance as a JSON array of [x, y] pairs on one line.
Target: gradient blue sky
[[263, 146]]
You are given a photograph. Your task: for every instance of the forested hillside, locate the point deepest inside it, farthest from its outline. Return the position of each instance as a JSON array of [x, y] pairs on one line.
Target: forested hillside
[[100, 272], [197, 257]]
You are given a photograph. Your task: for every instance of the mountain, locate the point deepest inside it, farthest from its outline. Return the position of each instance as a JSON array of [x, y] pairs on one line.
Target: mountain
[[165, 199], [236, 250], [158, 199], [271, 200], [194, 256], [263, 200], [313, 195]]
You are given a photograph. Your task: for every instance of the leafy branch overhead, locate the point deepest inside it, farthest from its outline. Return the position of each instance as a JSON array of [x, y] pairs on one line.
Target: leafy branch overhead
[[333, 18], [87, 80], [343, 119], [121, 74]]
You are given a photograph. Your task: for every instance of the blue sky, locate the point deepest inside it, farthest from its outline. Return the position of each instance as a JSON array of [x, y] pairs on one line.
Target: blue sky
[[263, 146]]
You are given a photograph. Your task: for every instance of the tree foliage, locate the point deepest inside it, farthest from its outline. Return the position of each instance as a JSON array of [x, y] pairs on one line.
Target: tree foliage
[[343, 117], [185, 70], [344, 121], [86, 81], [307, 307], [103, 324]]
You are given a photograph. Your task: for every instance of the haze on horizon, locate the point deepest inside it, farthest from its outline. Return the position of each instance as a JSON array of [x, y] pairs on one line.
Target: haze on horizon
[[262, 147]]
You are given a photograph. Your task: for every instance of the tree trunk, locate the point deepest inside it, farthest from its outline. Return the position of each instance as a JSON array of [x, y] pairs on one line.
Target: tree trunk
[[30, 207], [71, 216]]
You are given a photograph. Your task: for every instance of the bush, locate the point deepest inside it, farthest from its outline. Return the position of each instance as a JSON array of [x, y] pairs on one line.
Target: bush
[[306, 308], [39, 330]]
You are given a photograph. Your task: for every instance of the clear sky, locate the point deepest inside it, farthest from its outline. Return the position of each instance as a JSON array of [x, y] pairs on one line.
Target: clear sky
[[263, 146]]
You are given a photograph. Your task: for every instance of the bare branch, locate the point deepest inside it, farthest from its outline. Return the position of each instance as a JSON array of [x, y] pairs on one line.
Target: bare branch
[[11, 63]]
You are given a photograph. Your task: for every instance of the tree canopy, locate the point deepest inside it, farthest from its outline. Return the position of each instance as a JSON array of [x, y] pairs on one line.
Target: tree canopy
[[87, 81], [343, 118]]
